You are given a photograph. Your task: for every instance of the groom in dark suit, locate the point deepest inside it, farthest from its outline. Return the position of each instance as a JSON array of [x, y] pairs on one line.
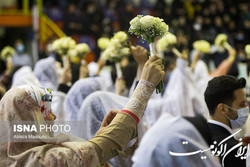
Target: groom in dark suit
[[226, 100]]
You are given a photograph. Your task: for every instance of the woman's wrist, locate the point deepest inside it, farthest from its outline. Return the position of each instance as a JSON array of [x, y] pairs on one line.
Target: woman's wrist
[[139, 99], [139, 71]]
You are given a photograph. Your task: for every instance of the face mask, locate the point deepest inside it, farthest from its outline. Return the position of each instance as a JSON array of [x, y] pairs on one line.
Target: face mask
[[197, 26], [242, 117], [20, 48]]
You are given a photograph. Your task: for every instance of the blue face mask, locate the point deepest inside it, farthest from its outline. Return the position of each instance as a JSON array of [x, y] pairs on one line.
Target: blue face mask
[[20, 48], [242, 117]]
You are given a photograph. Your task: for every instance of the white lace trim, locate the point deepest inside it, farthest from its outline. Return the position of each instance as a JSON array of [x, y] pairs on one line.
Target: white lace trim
[[139, 99]]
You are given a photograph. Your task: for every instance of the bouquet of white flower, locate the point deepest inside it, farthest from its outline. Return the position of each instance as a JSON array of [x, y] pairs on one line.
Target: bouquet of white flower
[[115, 52], [202, 46], [117, 49], [167, 42], [247, 50], [77, 54], [121, 36], [103, 43], [82, 49], [221, 41], [7, 52], [62, 45], [149, 28]]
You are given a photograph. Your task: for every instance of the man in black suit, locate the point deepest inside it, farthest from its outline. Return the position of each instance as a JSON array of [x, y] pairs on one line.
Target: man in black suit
[[226, 100]]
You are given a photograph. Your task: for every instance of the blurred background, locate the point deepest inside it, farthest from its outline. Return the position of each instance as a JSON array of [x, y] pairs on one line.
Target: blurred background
[[37, 22]]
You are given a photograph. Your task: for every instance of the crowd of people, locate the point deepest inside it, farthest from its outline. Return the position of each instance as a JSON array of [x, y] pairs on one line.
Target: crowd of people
[[116, 116], [190, 20]]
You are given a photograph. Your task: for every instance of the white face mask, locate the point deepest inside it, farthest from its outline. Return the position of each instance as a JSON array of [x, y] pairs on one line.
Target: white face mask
[[242, 117], [20, 48]]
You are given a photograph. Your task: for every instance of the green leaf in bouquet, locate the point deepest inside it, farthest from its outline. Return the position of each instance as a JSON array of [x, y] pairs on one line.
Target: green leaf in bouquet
[[160, 87]]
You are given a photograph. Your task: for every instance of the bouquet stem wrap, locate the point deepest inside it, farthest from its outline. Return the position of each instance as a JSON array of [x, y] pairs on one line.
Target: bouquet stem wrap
[[160, 86], [66, 64], [118, 70], [227, 46], [152, 49], [82, 61], [65, 61], [176, 52]]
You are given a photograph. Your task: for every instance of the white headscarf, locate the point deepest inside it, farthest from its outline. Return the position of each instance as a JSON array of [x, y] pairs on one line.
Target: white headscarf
[[201, 76], [104, 76], [47, 74], [57, 105], [168, 134], [95, 107], [17, 105], [25, 76], [182, 97], [93, 110], [77, 94]]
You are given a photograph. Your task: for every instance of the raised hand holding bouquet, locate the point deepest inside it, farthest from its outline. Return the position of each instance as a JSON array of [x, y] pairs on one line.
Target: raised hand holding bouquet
[[149, 28], [221, 41], [247, 50], [117, 49], [62, 46]]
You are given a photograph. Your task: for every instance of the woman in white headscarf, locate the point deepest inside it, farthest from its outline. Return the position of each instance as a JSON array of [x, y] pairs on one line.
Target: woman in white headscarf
[[95, 107], [92, 112], [57, 105], [77, 94], [176, 135], [47, 74], [30, 103], [181, 95], [24, 76]]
